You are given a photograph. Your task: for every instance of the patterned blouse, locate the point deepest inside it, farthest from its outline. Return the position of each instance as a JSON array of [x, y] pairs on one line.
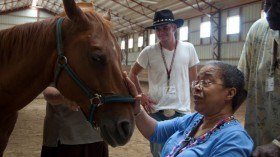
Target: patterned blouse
[[262, 81]]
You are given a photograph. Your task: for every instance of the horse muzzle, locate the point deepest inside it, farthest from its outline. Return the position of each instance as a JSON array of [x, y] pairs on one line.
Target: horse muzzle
[[117, 132]]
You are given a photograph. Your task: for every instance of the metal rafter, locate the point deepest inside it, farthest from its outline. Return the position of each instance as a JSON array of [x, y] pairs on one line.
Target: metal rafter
[[14, 6], [129, 20], [123, 18], [209, 4], [131, 9], [198, 8], [132, 17], [143, 6], [143, 13]]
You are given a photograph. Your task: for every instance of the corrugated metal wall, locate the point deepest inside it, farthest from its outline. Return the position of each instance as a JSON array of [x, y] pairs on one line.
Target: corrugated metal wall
[[23, 16], [231, 45]]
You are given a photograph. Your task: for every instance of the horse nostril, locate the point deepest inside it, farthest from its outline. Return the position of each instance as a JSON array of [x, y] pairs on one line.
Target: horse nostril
[[125, 128]]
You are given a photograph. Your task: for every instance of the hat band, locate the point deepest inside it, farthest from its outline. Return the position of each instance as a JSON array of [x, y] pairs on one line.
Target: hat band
[[163, 20]]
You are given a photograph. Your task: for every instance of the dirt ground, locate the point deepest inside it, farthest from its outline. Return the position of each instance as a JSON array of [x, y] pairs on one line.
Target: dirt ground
[[26, 139]]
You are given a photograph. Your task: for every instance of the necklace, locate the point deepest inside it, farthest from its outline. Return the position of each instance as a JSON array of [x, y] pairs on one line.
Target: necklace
[[189, 141], [168, 71]]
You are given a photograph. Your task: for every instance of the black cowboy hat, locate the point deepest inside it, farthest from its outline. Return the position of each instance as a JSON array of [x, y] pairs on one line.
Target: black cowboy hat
[[164, 17]]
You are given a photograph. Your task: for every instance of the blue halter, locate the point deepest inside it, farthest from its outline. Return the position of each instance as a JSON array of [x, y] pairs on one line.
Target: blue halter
[[62, 64]]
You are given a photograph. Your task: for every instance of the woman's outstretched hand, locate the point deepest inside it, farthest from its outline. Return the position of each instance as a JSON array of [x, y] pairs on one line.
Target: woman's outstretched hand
[[133, 91]]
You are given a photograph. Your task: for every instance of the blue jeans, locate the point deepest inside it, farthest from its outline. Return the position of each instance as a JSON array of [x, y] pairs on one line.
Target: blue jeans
[[156, 147]]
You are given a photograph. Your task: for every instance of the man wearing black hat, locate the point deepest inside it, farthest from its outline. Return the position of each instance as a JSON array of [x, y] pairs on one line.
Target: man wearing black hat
[[171, 66]]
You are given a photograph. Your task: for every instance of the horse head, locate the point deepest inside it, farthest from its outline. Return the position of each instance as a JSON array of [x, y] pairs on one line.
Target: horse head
[[88, 43]]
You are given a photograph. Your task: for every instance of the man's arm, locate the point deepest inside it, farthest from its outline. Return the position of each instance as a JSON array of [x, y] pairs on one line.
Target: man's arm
[[133, 75], [54, 97], [146, 101], [192, 73]]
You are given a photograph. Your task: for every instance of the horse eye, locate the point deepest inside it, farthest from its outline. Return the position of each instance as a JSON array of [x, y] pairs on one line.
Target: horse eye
[[98, 59]]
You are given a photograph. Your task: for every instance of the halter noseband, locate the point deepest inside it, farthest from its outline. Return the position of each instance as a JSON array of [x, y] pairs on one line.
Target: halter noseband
[[62, 64]]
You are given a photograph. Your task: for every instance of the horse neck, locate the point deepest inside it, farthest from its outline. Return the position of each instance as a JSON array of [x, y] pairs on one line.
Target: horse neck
[[27, 58]]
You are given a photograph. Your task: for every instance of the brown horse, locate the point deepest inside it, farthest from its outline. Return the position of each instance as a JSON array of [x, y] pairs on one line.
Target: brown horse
[[83, 57]]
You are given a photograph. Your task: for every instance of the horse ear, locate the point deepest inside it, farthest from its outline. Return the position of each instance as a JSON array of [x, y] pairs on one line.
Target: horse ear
[[84, 6], [107, 15], [74, 12]]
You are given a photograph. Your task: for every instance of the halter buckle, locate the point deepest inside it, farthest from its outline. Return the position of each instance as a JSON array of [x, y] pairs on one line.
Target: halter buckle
[[62, 60], [97, 97]]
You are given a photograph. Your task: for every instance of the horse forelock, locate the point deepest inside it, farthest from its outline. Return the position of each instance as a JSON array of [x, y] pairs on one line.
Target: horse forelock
[[23, 39], [104, 27]]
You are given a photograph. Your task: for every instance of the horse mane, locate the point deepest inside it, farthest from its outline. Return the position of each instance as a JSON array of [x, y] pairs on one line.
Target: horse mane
[[22, 39], [27, 38]]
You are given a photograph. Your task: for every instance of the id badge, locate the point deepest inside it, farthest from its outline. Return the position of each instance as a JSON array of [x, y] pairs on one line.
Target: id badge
[[269, 84], [170, 90]]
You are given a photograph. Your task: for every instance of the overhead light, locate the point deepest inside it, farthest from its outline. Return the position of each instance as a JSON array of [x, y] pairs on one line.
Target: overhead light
[[149, 1], [34, 3]]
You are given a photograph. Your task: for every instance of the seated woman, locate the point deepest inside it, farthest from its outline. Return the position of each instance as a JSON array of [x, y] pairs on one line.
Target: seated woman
[[212, 130]]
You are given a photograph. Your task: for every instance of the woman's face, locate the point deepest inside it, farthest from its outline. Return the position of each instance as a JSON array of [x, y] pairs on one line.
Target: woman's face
[[209, 94]]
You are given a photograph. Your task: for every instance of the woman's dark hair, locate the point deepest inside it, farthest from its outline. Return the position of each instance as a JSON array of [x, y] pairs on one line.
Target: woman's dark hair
[[232, 78]]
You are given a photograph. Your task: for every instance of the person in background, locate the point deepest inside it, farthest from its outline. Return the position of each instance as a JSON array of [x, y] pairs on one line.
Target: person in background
[[67, 133], [171, 65], [259, 61], [211, 131]]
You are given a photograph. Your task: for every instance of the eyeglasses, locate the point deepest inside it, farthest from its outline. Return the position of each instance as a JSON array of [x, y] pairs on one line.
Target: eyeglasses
[[203, 83]]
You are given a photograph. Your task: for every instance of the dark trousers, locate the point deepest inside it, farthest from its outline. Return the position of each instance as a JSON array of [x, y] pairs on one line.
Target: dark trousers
[[98, 149]]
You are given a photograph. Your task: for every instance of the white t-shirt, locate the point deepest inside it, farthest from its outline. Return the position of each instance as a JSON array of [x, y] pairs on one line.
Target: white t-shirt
[[178, 96]]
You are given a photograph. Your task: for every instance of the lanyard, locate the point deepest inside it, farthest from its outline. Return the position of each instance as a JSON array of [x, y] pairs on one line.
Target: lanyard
[[185, 143], [168, 71], [188, 138]]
